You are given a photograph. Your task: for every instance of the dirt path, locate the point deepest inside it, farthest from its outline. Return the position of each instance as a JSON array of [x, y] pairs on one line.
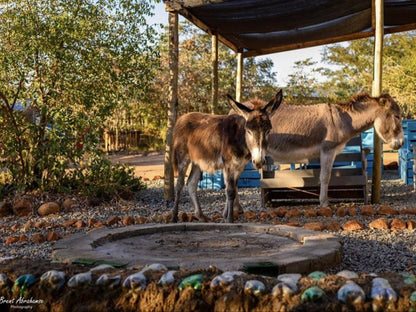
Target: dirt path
[[151, 166], [147, 167]]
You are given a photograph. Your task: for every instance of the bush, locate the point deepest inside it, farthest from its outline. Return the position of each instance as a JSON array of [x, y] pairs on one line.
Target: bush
[[100, 178]]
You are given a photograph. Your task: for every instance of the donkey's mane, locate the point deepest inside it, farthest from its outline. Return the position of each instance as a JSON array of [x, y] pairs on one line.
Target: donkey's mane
[[255, 103], [351, 103]]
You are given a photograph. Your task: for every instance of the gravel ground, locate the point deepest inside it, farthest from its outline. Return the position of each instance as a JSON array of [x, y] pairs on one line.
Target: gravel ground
[[365, 251]]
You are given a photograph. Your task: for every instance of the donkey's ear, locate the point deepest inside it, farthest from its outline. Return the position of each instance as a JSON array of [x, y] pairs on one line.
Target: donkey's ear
[[240, 109], [272, 106]]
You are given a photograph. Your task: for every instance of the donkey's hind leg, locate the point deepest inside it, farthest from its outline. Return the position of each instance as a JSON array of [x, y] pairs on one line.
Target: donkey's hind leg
[[183, 166], [193, 180]]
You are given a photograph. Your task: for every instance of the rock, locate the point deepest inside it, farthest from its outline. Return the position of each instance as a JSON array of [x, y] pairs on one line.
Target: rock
[[368, 211], [386, 210], [93, 201], [27, 226], [352, 211], [281, 211], [352, 225], [141, 220], [314, 226], [69, 204], [22, 207], [293, 223], [12, 240], [5, 209], [108, 281], [382, 291], [312, 294], [397, 225], [310, 213], [408, 278], [48, 208], [293, 213], [79, 224], [263, 215], [292, 278], [14, 228], [324, 212], [351, 293], [38, 238], [167, 278], [154, 267], [52, 236], [23, 239], [113, 220], [136, 281], [80, 279], [225, 279], [70, 222], [254, 287], [316, 275], [52, 280], [250, 215], [341, 212], [380, 224], [4, 281], [333, 226], [347, 274], [411, 225], [40, 224], [128, 220]]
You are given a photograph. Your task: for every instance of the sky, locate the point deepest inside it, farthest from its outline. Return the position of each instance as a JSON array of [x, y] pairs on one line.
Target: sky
[[283, 61]]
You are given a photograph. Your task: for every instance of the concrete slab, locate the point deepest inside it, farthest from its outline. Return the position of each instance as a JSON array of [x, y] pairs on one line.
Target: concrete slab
[[199, 245]]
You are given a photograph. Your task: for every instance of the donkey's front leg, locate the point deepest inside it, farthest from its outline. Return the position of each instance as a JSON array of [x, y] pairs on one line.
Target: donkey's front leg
[[193, 179], [231, 176], [327, 160]]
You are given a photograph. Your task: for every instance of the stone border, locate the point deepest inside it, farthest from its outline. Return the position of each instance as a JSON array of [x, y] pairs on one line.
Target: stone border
[[318, 251]]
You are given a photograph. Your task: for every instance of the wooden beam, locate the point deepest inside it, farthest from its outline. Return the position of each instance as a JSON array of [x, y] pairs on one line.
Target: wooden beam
[[214, 73], [239, 78], [169, 193], [378, 6]]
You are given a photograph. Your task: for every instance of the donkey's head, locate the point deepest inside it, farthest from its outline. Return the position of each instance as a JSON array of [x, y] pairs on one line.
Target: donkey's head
[[388, 122], [257, 125]]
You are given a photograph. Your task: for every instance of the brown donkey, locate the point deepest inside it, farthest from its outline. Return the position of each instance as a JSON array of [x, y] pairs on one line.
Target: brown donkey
[[227, 142]]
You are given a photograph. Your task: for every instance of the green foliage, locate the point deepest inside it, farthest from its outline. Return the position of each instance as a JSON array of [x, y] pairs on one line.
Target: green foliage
[[351, 69], [303, 85], [64, 68], [99, 177]]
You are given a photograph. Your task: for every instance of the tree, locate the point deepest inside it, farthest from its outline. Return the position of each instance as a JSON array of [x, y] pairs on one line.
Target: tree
[[303, 86], [64, 67], [352, 69]]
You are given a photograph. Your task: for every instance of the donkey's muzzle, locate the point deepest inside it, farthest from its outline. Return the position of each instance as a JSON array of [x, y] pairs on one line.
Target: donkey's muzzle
[[397, 142], [258, 164]]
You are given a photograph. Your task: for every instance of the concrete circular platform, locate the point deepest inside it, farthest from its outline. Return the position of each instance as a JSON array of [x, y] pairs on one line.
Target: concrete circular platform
[[198, 245]]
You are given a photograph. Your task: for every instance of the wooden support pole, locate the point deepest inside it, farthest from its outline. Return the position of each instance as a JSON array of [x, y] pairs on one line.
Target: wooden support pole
[[169, 189], [214, 73], [378, 11], [239, 78]]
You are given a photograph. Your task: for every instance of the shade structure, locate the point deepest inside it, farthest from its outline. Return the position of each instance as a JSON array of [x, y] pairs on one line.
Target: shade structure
[[258, 27]]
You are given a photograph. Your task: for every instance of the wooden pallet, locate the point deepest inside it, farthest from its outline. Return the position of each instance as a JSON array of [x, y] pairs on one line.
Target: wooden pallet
[[348, 180]]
